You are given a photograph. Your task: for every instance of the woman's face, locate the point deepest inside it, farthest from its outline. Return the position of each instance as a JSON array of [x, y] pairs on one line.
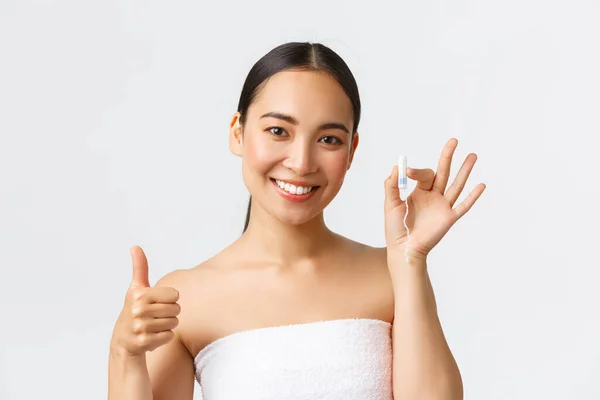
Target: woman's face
[[296, 144]]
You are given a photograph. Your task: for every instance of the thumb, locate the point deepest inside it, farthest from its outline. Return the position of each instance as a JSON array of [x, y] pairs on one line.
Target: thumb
[[140, 267], [424, 177]]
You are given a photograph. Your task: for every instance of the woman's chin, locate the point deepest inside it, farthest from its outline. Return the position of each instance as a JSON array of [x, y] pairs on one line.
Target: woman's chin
[[295, 218]]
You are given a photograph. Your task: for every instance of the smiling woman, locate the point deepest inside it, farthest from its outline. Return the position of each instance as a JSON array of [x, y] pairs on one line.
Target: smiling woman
[[291, 309], [335, 74]]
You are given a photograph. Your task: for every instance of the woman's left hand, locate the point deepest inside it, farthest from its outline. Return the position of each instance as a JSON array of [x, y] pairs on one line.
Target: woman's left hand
[[430, 205]]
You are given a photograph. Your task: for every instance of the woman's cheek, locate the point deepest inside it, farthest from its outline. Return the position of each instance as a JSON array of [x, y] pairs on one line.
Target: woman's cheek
[[338, 165], [258, 152]]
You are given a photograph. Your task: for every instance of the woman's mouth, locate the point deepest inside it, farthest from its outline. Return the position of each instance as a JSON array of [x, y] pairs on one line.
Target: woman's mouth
[[294, 192]]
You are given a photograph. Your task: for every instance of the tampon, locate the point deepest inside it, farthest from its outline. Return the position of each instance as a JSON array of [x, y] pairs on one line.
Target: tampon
[[402, 179]]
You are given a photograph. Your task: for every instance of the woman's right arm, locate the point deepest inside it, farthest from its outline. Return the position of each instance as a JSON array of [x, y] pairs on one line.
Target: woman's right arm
[[165, 373], [147, 359], [128, 376]]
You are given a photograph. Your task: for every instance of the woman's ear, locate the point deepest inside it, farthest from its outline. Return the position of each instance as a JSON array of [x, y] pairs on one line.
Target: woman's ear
[[353, 147], [235, 135]]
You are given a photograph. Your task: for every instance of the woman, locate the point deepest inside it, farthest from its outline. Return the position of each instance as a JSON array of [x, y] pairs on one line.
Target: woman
[[292, 310]]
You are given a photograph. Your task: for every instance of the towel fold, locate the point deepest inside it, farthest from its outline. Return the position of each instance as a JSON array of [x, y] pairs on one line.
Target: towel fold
[[347, 359]]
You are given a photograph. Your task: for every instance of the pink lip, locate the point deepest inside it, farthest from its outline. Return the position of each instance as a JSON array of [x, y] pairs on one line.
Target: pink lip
[[298, 198]]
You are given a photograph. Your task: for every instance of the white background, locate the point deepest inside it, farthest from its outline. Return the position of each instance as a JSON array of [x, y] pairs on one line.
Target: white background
[[114, 121]]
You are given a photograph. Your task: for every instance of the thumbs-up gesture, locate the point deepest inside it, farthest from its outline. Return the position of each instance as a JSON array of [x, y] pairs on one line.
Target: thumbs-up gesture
[[149, 314]]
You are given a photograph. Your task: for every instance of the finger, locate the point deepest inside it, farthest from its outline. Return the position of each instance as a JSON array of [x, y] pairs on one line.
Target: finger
[[158, 310], [424, 177], [160, 339], [443, 171], [467, 203], [458, 185], [162, 294], [140, 267], [157, 325], [392, 192], [152, 341]]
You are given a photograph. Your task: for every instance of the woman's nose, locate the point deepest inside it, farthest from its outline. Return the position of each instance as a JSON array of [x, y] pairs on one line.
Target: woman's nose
[[300, 159]]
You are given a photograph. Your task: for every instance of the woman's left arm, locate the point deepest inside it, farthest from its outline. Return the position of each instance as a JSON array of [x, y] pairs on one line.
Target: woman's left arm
[[423, 365]]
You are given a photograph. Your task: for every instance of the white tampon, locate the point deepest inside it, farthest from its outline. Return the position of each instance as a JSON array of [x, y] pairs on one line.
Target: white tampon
[[402, 179]]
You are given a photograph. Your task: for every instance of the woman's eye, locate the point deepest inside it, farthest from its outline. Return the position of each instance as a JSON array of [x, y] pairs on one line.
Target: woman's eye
[[331, 140], [276, 131]]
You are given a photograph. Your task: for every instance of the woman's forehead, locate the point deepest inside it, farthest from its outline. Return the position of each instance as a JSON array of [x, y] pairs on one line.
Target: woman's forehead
[[303, 93]]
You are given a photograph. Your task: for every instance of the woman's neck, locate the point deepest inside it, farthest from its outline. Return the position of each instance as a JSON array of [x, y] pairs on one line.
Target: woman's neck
[[285, 243]]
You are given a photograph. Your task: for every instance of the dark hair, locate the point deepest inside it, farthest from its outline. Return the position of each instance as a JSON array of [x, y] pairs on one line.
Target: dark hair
[[298, 56]]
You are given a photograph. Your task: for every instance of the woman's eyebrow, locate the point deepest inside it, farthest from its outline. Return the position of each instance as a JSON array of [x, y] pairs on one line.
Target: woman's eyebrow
[[294, 121], [334, 125], [282, 116]]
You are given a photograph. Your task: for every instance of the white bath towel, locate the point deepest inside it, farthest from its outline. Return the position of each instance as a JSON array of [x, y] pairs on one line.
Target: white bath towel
[[345, 359]]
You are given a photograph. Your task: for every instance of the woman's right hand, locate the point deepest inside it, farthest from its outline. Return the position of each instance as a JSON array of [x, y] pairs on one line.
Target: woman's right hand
[[149, 314]]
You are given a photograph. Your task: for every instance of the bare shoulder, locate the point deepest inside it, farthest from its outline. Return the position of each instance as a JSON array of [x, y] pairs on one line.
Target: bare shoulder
[[370, 256], [369, 264], [200, 289], [187, 281]]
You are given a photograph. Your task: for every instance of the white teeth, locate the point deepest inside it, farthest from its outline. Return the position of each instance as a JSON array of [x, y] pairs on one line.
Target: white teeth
[[297, 190]]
